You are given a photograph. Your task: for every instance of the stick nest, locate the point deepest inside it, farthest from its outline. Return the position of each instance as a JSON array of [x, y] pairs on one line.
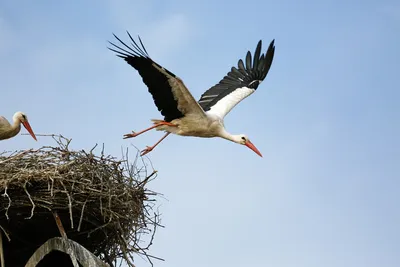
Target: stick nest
[[102, 202]]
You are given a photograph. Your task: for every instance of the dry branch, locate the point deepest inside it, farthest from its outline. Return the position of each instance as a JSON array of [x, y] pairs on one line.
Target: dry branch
[[103, 202]]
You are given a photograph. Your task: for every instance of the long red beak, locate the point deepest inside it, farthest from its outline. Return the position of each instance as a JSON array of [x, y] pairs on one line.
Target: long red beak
[[252, 147], [29, 129]]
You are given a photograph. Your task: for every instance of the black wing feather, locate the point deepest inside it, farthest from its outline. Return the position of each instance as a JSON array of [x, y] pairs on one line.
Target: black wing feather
[[248, 61], [249, 75], [257, 54], [155, 80]]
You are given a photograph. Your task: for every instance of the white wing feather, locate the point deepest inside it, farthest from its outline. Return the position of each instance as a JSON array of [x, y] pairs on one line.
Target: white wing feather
[[226, 104]]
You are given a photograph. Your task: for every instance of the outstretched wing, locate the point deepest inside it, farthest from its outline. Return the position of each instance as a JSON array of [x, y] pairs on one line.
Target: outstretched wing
[[239, 83], [170, 95]]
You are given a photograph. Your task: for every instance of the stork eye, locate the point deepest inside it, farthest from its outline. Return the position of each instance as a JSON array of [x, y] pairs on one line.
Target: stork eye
[[243, 138]]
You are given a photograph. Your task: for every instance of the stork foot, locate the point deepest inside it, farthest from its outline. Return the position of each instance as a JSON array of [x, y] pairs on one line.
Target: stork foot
[[130, 135], [148, 149]]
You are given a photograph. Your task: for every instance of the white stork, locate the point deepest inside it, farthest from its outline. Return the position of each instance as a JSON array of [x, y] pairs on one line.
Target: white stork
[[182, 114], [7, 130]]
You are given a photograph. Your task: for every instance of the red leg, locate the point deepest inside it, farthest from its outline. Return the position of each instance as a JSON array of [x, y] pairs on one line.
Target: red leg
[[134, 134], [150, 148]]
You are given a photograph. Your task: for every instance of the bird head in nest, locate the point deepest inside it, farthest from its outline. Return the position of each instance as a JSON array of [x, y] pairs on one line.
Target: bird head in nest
[[22, 118]]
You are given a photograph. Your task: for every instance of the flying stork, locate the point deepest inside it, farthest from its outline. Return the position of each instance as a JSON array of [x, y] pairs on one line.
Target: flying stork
[[7, 130], [182, 114]]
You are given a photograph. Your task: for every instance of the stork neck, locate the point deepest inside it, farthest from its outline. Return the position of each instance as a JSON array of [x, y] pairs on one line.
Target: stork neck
[[16, 123], [224, 134], [16, 127]]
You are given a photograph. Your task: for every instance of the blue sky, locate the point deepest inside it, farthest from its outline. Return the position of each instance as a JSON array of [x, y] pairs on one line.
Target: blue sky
[[326, 119]]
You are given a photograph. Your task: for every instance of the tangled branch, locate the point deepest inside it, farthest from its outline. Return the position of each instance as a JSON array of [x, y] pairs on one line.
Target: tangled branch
[[103, 202]]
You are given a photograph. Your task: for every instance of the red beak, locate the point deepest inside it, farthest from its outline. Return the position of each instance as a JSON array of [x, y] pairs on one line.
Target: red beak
[[252, 147], [29, 129]]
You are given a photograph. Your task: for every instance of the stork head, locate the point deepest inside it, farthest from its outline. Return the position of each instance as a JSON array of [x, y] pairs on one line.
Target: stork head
[[22, 118], [244, 140]]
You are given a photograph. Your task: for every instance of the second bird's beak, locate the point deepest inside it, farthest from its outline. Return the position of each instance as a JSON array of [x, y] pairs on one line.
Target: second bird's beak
[[29, 129], [252, 147]]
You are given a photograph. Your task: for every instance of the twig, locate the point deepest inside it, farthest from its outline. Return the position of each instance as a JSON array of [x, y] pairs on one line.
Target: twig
[[80, 219], [147, 178], [69, 205], [1, 251], [59, 225], [16, 156], [5, 233], [33, 203], [9, 201]]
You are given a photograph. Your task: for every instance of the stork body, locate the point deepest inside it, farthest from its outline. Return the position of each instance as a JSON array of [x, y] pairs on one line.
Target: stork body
[[183, 115], [8, 131]]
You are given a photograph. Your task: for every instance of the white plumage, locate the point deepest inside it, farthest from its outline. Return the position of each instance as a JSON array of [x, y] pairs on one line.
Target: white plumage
[[182, 114], [226, 104], [7, 130]]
